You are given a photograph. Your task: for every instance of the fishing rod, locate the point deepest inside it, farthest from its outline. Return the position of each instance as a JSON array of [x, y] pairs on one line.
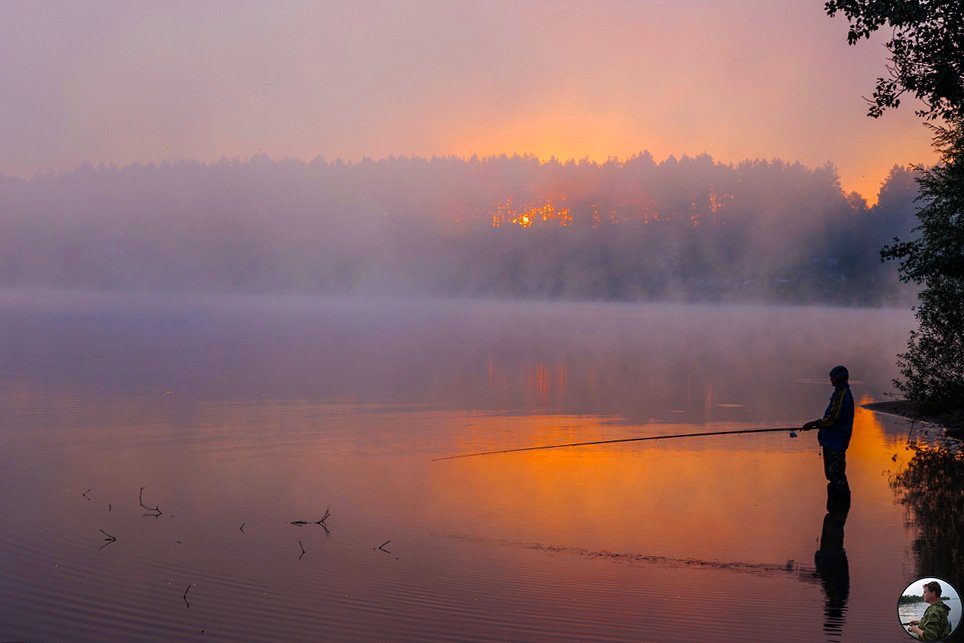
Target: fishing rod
[[792, 431]]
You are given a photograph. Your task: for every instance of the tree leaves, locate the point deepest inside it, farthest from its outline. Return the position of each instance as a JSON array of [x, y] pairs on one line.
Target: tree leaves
[[927, 60], [933, 366], [926, 46]]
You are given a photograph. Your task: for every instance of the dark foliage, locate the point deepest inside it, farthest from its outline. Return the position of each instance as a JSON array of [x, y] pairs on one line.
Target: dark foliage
[[926, 46], [933, 366], [927, 49]]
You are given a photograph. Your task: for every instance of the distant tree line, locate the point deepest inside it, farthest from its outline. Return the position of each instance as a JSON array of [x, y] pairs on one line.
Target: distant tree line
[[912, 598], [633, 229]]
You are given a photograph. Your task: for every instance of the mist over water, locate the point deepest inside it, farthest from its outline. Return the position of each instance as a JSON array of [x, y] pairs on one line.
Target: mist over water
[[203, 360], [239, 415], [637, 362], [687, 229]]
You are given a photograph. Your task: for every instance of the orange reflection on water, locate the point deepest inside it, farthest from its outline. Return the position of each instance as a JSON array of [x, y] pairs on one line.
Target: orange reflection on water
[[870, 450], [543, 383], [751, 498], [604, 528]]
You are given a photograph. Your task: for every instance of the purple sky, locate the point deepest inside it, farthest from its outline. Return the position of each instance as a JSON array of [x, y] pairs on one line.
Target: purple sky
[[117, 82]]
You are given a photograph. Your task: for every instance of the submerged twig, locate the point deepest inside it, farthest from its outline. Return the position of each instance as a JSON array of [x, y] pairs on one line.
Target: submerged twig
[[140, 499], [110, 539], [323, 519], [303, 523]]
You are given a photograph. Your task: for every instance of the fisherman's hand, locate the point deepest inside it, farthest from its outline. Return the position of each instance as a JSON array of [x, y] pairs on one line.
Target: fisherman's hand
[[914, 623], [808, 426]]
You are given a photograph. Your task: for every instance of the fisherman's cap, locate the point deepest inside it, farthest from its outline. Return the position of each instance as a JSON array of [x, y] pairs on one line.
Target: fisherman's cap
[[840, 372]]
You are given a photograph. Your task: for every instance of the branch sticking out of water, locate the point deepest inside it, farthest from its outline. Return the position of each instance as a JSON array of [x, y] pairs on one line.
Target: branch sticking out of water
[[382, 546], [302, 523], [185, 597], [140, 499], [242, 527], [323, 519], [110, 539], [85, 494], [302, 549]]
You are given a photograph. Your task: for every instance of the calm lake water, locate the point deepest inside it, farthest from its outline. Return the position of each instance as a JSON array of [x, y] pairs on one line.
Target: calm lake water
[[236, 416]]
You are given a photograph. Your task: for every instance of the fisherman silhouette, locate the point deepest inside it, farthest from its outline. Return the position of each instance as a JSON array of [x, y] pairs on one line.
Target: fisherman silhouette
[[835, 429]]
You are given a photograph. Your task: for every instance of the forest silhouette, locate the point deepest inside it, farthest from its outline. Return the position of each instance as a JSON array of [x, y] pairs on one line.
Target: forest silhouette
[[688, 229]]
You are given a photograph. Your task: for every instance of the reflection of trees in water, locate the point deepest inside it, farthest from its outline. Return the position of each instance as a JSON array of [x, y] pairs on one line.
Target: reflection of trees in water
[[932, 490]]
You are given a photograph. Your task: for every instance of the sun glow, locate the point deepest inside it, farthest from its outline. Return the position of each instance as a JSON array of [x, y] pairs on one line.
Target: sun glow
[[506, 213]]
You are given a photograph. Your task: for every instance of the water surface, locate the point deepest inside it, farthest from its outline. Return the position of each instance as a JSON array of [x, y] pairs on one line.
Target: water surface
[[238, 416]]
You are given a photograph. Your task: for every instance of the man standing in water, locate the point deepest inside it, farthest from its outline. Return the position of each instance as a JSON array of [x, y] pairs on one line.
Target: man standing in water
[[835, 428], [933, 625]]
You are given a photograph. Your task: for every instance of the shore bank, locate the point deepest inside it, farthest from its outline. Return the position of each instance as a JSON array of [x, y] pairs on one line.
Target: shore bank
[[952, 422]]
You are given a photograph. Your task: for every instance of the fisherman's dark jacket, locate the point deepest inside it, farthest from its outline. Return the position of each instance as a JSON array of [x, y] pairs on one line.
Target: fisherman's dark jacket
[[837, 423]]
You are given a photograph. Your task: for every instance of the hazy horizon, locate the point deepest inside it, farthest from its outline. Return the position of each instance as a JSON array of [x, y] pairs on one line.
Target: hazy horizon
[[687, 229], [113, 83]]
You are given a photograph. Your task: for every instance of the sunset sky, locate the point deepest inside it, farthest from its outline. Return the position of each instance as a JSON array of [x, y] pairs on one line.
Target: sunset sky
[[117, 82]]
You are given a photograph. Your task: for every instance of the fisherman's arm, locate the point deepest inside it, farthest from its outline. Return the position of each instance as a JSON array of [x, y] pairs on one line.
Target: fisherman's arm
[[930, 629], [834, 414]]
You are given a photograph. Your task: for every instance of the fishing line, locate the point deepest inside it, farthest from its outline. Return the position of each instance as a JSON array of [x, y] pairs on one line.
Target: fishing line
[[651, 437]]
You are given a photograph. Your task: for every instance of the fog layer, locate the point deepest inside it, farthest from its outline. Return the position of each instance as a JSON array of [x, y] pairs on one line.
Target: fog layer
[[508, 227]]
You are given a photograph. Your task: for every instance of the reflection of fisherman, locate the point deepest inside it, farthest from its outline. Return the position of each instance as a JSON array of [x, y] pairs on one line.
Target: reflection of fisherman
[[836, 427], [832, 568], [933, 625]]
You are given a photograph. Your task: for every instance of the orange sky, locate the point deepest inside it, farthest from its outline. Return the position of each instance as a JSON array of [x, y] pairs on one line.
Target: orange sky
[[113, 82]]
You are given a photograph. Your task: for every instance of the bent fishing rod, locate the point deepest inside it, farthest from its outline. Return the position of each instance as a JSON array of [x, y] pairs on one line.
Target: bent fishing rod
[[792, 431]]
